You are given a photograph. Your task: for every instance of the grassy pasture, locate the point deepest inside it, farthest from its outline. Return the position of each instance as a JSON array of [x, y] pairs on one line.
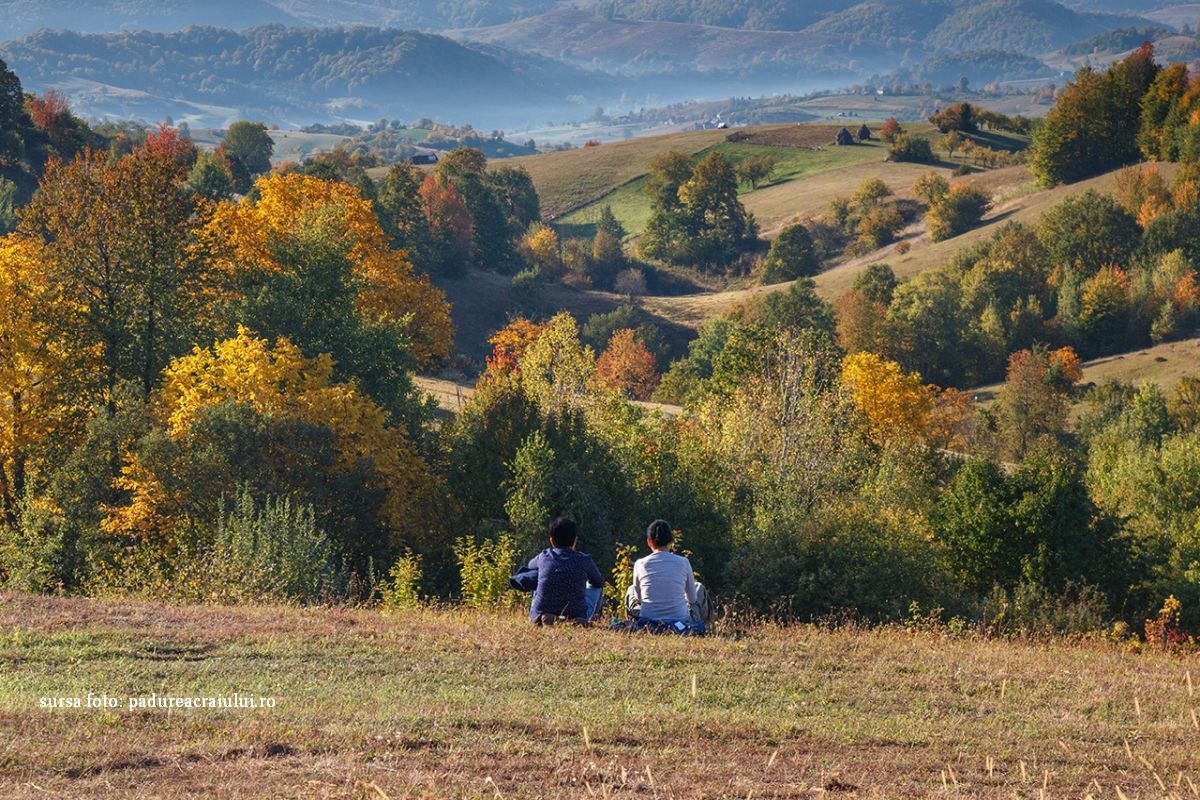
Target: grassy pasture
[[465, 704], [571, 178], [793, 163]]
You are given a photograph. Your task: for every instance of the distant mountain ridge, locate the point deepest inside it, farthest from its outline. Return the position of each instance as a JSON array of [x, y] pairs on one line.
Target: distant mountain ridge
[[299, 74]]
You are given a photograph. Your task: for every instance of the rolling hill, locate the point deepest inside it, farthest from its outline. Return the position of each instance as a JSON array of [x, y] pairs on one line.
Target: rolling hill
[[294, 75]]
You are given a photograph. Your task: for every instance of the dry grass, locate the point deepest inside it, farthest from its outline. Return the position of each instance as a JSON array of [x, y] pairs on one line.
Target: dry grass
[[1163, 364], [458, 704], [571, 178], [1018, 199]]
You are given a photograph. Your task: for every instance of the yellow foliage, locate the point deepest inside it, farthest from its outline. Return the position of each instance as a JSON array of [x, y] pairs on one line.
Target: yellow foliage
[[896, 404], [278, 382], [38, 348], [241, 235], [556, 370]]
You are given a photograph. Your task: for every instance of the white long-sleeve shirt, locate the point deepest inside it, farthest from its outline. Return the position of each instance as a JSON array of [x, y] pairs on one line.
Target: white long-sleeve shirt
[[665, 585]]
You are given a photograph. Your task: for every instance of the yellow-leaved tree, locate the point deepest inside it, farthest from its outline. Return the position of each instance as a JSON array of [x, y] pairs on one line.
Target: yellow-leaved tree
[[297, 397], [40, 357], [896, 404], [242, 234]]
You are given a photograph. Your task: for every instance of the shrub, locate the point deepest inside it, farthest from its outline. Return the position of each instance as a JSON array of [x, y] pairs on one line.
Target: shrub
[[403, 587], [622, 579], [273, 551], [959, 210], [484, 568], [526, 295], [793, 255], [910, 148]]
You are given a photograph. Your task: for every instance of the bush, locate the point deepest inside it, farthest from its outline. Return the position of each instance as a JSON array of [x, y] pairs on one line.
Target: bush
[[526, 294], [959, 210], [911, 148], [837, 562], [273, 552], [403, 587], [34, 554], [484, 568]]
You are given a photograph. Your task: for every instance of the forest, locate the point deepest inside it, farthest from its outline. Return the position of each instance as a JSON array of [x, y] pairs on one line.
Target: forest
[[208, 387]]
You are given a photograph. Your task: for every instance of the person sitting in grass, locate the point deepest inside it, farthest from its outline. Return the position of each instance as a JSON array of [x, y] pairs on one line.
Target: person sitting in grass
[[563, 575], [664, 586]]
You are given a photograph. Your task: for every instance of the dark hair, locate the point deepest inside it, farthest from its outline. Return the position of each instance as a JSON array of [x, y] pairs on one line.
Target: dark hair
[[660, 533], [563, 532]]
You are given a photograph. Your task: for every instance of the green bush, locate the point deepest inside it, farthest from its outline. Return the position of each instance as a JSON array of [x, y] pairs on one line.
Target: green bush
[[403, 587], [273, 551], [911, 148], [484, 568]]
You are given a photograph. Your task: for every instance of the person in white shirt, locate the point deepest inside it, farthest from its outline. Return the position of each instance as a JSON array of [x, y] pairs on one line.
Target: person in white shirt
[[664, 586]]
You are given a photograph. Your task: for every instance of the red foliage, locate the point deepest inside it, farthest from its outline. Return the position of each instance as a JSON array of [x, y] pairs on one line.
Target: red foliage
[[167, 144], [47, 110]]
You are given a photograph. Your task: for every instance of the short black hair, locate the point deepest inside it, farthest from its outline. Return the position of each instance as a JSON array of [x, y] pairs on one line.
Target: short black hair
[[660, 533], [563, 532]]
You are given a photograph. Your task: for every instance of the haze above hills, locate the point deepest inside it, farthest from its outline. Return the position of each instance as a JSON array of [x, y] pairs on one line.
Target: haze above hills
[[509, 63]]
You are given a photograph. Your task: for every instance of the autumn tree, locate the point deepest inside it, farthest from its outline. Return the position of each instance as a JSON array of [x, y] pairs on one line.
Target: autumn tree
[[1094, 124], [540, 248], [450, 228], [510, 343], [245, 237], [118, 238], [890, 130], [1160, 109], [896, 403], [247, 412], [1032, 404], [556, 369], [627, 366], [493, 209], [43, 370]]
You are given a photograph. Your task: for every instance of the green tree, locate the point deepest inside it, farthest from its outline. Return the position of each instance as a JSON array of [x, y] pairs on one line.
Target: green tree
[[666, 230], [792, 255], [756, 168], [958, 211], [210, 178], [402, 214], [250, 145], [1088, 231]]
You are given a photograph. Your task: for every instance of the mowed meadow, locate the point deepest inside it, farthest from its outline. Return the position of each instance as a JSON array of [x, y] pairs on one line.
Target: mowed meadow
[[456, 703]]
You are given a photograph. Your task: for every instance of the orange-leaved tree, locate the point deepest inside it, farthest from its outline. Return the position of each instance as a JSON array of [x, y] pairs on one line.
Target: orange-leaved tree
[[510, 343], [242, 236], [627, 366]]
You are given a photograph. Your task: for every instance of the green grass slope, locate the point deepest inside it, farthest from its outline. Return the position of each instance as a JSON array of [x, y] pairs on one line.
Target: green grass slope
[[467, 704]]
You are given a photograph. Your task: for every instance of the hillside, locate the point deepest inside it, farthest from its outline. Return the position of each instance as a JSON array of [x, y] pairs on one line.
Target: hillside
[[471, 704], [295, 75], [634, 46], [1017, 199], [21, 17]]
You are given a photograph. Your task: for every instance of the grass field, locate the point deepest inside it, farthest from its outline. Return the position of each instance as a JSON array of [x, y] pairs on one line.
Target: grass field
[[631, 204], [571, 178], [465, 704]]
